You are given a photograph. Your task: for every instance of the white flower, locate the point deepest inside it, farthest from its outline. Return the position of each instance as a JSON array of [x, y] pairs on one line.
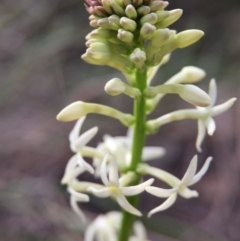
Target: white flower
[[112, 186], [140, 233], [77, 142], [120, 147], [101, 229], [208, 122], [106, 228], [203, 115], [74, 199], [178, 186]]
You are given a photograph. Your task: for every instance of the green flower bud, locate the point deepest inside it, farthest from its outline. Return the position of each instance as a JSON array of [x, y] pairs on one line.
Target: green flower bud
[[149, 18], [138, 57], [94, 23], [158, 5], [131, 12], [174, 15], [128, 24], [147, 30], [143, 10], [125, 36], [103, 23], [107, 6], [119, 10], [126, 2], [188, 37], [101, 33], [137, 3], [114, 22], [160, 37], [162, 15], [167, 48]]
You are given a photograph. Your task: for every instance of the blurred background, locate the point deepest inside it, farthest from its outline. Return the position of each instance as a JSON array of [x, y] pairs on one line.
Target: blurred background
[[41, 72]]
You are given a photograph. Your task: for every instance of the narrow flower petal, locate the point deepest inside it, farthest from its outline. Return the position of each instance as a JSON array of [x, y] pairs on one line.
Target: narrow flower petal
[[76, 209], [210, 125], [81, 197], [113, 172], [201, 135], [168, 203], [150, 153], [202, 172], [84, 164], [83, 139], [191, 171], [139, 231], [219, 109], [103, 171], [76, 129], [102, 193], [213, 92], [134, 190], [123, 202], [72, 174], [187, 193], [160, 192]]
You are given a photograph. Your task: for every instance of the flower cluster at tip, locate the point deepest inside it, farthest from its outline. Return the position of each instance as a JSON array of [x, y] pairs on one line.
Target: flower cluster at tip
[[133, 33], [106, 227]]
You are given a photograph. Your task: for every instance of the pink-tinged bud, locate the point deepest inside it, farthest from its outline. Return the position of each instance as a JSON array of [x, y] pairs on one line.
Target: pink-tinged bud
[[131, 12]]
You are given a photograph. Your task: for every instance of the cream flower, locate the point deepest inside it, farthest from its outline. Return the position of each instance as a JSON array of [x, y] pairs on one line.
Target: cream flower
[[203, 115], [74, 199], [106, 228], [77, 142], [178, 186], [208, 123], [120, 147], [113, 188]]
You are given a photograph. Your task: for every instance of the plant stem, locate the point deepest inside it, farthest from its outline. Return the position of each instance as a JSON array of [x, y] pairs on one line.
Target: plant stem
[[137, 147]]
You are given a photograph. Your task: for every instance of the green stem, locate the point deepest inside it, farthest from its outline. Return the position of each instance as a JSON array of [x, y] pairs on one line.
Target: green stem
[[137, 147]]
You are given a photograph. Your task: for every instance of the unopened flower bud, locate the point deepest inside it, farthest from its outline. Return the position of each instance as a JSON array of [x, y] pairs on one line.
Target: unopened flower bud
[[126, 2], [114, 22], [188, 37], [149, 18], [103, 23], [162, 15], [143, 10], [195, 96], [100, 33], [158, 5], [93, 23], [131, 12], [79, 109], [116, 87], [190, 93], [174, 15], [160, 37], [138, 57], [128, 24], [187, 75], [125, 36], [119, 10], [107, 6], [147, 31], [137, 3]]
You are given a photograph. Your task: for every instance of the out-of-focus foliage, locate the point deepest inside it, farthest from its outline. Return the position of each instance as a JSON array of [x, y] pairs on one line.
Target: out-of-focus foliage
[[41, 72]]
